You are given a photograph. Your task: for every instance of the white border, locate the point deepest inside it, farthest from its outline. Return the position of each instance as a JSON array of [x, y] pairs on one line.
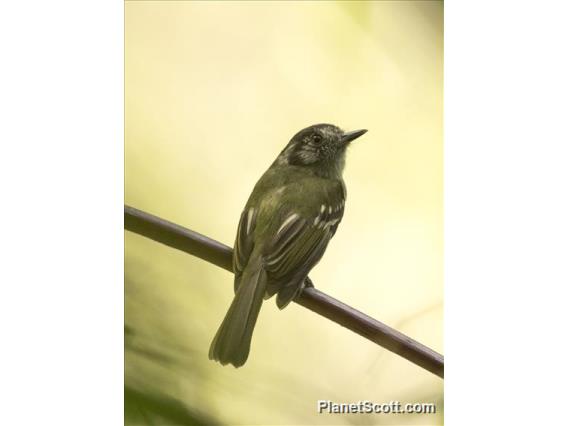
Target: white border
[[506, 193], [61, 174]]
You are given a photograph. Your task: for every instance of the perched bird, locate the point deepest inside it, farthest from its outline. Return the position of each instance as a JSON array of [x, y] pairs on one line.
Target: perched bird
[[292, 213]]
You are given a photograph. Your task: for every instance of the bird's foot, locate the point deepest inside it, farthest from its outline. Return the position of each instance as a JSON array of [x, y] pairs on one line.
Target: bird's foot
[[308, 283]]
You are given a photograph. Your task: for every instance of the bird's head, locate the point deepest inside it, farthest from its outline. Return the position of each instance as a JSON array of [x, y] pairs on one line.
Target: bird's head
[[321, 146]]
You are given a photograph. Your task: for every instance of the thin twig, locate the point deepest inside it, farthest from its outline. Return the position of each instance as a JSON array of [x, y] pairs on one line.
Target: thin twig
[[212, 251]]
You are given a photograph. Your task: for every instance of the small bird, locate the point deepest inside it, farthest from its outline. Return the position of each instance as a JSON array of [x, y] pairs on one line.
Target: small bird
[[292, 213]]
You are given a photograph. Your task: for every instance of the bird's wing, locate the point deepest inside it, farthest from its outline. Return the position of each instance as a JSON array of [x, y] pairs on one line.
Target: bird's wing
[[244, 243], [297, 246]]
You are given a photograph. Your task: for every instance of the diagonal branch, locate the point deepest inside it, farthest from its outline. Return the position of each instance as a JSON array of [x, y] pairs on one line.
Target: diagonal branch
[[214, 252]]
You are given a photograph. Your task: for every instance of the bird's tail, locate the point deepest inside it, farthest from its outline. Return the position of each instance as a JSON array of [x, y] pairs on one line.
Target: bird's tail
[[231, 344]]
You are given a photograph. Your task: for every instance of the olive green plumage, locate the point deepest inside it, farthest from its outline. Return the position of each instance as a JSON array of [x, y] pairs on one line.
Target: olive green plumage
[[286, 225]]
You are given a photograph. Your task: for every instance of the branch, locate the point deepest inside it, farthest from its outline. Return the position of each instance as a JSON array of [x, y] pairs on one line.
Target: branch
[[214, 252]]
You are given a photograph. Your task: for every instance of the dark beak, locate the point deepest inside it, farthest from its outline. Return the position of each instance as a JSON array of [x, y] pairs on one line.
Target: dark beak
[[349, 136]]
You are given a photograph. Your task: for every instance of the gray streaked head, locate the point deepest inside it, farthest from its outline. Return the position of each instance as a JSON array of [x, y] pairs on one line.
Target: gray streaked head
[[320, 144]]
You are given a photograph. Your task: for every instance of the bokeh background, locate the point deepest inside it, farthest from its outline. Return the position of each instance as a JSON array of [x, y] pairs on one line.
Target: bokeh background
[[213, 92]]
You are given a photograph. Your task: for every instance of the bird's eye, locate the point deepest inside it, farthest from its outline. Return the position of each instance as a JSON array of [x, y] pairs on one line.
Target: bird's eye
[[317, 139]]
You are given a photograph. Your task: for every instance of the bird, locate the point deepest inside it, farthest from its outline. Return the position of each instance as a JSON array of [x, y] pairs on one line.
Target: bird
[[283, 232]]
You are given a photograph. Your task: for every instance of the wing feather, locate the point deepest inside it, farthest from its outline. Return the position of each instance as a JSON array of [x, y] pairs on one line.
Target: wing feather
[[299, 236], [295, 249], [244, 243]]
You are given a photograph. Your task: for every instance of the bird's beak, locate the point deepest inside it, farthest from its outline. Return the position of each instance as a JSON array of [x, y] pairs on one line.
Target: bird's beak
[[349, 136]]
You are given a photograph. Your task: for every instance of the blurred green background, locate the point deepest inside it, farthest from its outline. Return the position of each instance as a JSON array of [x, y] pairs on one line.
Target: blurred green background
[[213, 92]]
